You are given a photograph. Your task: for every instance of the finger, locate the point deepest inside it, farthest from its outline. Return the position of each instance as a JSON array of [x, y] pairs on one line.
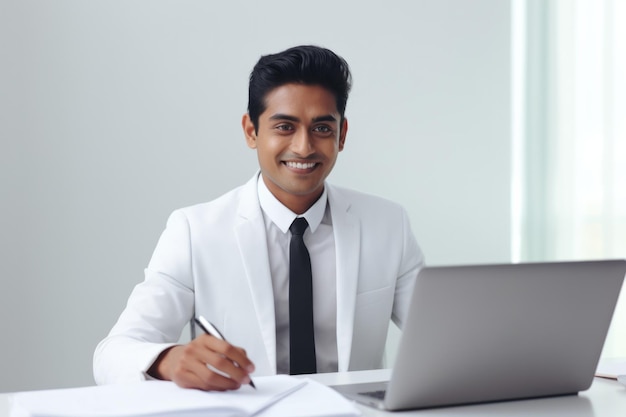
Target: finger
[[235, 354], [209, 351], [221, 364], [204, 379], [187, 366]]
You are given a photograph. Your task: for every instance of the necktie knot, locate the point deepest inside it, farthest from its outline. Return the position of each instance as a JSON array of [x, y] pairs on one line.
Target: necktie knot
[[298, 226]]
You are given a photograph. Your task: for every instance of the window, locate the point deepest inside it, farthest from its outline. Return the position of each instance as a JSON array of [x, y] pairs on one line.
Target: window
[[569, 134]]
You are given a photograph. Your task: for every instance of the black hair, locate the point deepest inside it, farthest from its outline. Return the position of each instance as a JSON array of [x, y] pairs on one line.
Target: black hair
[[310, 65]]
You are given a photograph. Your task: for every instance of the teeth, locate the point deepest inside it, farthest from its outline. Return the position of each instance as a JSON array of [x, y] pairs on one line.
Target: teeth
[[300, 165]]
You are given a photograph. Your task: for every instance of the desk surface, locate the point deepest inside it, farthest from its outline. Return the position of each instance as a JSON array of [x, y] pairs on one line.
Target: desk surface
[[605, 398]]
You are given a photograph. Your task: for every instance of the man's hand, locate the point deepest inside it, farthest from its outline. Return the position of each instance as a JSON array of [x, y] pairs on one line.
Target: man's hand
[[205, 363]]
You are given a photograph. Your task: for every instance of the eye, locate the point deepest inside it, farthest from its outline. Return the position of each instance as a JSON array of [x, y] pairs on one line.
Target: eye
[[284, 127], [323, 130]]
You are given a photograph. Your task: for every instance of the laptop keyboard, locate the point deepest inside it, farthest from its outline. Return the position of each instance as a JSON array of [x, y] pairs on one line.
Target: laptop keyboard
[[380, 394]]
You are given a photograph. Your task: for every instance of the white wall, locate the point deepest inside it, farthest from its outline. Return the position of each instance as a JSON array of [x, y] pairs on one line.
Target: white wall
[[114, 113]]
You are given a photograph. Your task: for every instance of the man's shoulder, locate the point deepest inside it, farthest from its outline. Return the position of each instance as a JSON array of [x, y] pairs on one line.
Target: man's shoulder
[[220, 208], [361, 200], [226, 199]]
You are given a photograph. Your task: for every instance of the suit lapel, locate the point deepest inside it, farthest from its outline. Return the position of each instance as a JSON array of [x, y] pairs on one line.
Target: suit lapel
[[252, 242], [347, 232]]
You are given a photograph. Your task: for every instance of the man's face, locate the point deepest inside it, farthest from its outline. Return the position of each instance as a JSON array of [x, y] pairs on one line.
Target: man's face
[[299, 136]]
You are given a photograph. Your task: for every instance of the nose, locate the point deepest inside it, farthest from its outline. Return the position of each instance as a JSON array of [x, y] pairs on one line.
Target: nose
[[302, 143]]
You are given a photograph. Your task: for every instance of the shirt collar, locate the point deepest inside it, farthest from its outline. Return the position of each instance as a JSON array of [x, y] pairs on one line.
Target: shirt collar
[[281, 216]]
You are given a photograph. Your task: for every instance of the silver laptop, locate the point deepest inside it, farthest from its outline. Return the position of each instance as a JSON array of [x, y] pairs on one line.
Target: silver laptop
[[487, 333]]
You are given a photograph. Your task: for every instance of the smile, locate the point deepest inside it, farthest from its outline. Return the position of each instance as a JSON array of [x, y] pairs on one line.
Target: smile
[[300, 165]]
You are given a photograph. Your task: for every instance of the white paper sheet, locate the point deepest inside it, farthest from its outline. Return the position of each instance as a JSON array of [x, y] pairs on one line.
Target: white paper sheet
[[611, 368], [158, 398], [313, 400]]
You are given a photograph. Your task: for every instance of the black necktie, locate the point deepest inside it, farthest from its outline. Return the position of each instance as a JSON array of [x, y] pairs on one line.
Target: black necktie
[[301, 338]]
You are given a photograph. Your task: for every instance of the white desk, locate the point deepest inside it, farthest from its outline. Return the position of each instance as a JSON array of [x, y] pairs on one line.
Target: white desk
[[605, 398]]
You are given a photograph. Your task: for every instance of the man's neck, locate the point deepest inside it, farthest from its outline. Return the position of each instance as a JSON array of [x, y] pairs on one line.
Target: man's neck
[[298, 204]]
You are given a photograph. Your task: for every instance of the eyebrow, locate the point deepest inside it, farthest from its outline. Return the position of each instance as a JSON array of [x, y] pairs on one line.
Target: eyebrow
[[325, 118]]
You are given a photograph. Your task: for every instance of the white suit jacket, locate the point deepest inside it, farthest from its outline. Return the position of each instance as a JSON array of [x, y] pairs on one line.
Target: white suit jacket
[[212, 260]]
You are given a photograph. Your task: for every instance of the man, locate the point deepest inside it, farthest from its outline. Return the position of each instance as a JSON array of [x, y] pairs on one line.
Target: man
[[229, 260]]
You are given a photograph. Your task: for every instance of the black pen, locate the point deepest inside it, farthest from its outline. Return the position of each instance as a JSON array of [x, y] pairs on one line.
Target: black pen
[[212, 330]]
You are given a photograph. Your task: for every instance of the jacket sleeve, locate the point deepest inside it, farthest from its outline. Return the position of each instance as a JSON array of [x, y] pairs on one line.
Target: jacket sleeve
[[157, 310], [411, 263]]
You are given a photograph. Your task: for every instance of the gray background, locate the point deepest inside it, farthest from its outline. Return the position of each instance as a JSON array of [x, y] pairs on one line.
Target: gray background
[[114, 113]]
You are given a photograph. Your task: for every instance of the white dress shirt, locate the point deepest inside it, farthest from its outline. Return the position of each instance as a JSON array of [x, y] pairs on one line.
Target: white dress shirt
[[320, 242]]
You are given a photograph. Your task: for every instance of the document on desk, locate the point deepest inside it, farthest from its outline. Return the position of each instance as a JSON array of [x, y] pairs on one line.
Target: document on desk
[[312, 400], [611, 368], [159, 398]]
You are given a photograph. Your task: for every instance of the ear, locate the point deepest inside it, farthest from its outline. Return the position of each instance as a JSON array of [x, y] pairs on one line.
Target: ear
[[248, 131], [342, 134]]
